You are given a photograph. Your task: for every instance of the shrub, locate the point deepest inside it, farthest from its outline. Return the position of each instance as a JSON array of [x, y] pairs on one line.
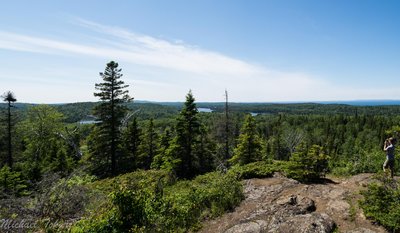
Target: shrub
[[308, 165], [382, 203], [364, 162], [149, 204], [260, 169], [11, 183]]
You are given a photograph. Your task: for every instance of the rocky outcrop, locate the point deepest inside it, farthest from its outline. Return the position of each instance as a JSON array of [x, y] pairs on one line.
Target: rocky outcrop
[[287, 214], [280, 204]]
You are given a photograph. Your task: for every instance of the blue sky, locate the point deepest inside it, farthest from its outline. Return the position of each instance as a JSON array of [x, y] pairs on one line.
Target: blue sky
[[264, 51]]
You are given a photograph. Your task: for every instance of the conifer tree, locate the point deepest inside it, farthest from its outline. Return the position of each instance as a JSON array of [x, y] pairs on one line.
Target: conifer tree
[[148, 147], [187, 131], [205, 152], [9, 97], [110, 112], [308, 164], [249, 148], [45, 149], [132, 139], [165, 141], [11, 182]]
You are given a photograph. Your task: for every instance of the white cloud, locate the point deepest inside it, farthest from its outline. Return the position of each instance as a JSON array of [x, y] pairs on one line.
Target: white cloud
[[137, 49], [158, 69]]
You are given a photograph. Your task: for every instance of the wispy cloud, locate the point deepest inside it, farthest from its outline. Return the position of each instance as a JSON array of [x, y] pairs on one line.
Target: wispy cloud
[[137, 49], [172, 67]]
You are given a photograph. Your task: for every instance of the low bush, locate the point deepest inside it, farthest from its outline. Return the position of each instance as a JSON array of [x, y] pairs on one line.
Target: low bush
[[149, 204], [260, 169], [11, 183], [382, 203], [307, 165]]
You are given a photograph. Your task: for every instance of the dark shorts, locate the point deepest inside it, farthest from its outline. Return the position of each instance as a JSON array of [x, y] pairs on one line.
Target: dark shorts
[[389, 163]]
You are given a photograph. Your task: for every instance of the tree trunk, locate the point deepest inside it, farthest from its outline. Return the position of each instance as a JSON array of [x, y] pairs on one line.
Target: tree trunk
[[9, 158]]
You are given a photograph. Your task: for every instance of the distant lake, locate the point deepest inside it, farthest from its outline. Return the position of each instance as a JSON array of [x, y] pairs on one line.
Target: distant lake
[[88, 122], [205, 110]]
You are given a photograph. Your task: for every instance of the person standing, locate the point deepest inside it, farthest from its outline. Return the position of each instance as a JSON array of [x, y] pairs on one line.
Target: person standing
[[389, 147]]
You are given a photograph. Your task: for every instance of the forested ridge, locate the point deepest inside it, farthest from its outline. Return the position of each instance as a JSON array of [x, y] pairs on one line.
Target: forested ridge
[[74, 112], [166, 167]]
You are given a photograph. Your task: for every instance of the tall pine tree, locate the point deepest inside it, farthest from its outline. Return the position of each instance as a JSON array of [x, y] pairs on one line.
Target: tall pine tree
[[9, 97], [110, 112]]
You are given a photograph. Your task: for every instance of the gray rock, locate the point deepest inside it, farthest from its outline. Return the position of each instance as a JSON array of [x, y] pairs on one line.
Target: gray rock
[[284, 205], [361, 230], [339, 207], [249, 227], [306, 223]]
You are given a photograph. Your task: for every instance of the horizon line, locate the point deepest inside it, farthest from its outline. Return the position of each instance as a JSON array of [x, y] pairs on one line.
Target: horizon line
[[239, 102]]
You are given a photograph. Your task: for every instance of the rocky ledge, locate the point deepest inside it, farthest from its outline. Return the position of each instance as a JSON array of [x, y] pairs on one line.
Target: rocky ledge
[[284, 205]]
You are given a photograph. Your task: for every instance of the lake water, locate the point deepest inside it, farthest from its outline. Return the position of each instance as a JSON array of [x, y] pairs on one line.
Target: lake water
[[205, 110], [88, 122]]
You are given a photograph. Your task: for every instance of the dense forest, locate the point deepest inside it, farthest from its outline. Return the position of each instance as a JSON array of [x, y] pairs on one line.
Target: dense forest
[[118, 165]]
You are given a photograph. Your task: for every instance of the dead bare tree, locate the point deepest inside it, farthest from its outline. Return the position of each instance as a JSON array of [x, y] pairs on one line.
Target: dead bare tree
[[292, 138]]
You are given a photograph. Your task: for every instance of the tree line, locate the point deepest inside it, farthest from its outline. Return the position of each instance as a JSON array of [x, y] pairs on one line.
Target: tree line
[[186, 144]]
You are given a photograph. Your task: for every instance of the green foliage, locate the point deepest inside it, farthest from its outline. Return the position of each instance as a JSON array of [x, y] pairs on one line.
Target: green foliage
[[65, 198], [260, 169], [145, 203], [204, 152], [9, 97], [364, 162], [75, 112], [382, 203], [165, 141], [132, 138], [148, 147], [308, 165], [11, 183], [351, 136], [207, 195], [191, 151], [59, 201], [187, 130], [306, 109], [249, 148], [46, 149], [113, 94]]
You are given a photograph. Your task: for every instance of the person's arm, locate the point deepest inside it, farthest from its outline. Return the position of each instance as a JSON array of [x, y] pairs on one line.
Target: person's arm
[[385, 145]]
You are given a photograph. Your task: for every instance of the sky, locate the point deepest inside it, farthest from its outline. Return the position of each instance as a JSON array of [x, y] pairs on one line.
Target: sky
[[259, 50]]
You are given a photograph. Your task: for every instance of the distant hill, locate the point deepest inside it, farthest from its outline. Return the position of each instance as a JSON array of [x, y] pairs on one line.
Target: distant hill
[[340, 102], [75, 112], [363, 102]]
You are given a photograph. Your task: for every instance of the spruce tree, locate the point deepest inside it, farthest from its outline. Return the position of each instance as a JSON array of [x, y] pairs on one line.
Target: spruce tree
[[132, 139], [187, 131], [9, 97], [149, 145], [165, 141], [249, 148], [205, 152], [110, 112], [308, 164]]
